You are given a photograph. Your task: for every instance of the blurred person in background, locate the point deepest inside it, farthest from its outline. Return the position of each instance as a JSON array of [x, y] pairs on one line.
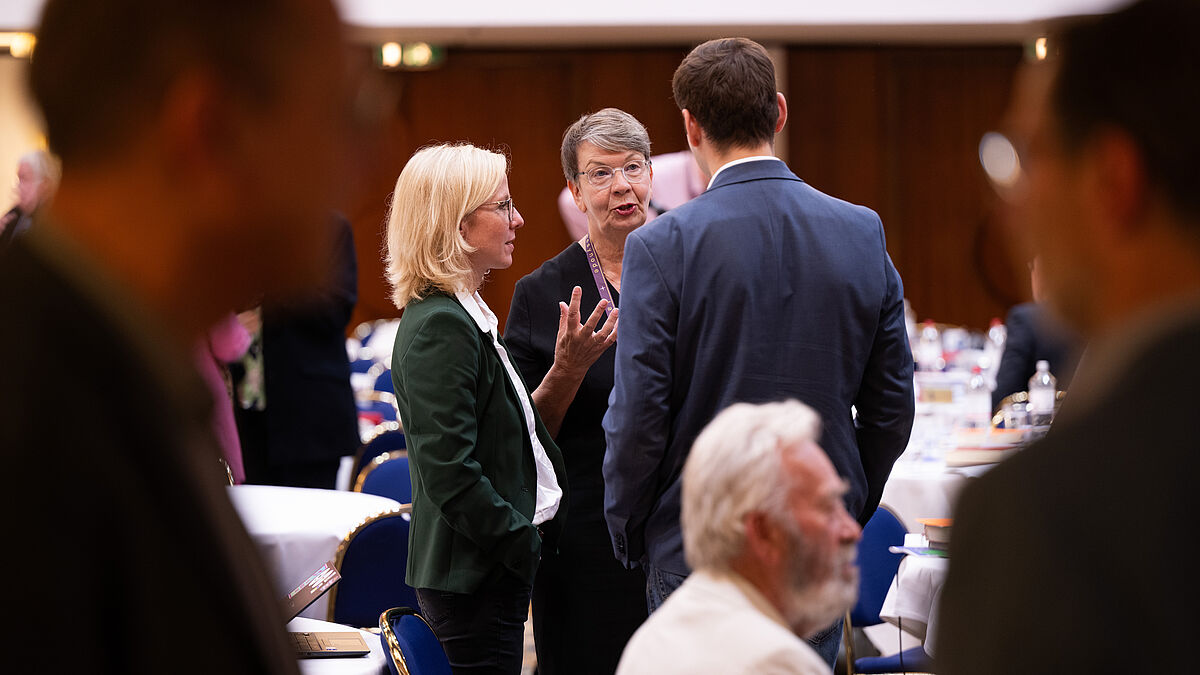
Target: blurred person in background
[[201, 144], [585, 603], [295, 408], [37, 177], [1065, 552], [489, 485], [1033, 334], [771, 546]]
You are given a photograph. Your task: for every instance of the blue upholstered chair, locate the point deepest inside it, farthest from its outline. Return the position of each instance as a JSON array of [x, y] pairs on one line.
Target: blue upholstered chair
[[371, 560], [386, 437], [387, 476], [876, 568], [410, 645], [383, 381]]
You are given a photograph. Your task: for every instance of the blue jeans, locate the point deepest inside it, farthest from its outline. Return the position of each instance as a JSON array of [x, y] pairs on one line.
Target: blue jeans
[[660, 584], [826, 643], [484, 631]]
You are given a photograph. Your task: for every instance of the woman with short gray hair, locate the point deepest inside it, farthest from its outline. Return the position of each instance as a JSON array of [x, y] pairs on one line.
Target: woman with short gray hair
[[585, 604]]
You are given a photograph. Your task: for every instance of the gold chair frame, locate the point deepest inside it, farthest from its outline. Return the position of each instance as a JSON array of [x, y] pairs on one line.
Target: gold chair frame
[[389, 637], [340, 555], [374, 464]]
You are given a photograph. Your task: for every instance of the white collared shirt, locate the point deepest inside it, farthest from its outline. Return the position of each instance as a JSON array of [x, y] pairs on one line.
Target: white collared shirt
[[756, 158], [549, 493]]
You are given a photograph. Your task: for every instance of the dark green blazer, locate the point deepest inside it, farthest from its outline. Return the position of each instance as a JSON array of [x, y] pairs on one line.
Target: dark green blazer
[[474, 479]]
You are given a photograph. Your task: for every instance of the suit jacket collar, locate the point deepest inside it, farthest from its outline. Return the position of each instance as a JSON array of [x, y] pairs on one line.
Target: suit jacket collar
[[750, 171]]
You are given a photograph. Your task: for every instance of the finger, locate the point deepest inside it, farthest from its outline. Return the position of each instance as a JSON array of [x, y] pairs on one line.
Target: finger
[[573, 310], [598, 312], [563, 322], [609, 332]]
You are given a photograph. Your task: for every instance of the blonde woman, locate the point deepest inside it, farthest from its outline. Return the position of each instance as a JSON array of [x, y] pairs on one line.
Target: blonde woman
[[488, 481]]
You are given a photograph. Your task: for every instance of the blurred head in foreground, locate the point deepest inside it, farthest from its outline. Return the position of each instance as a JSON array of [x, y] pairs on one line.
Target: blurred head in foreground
[[1105, 131], [195, 137], [761, 499]]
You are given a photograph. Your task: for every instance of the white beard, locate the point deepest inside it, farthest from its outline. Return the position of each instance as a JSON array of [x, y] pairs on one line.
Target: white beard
[[810, 605]]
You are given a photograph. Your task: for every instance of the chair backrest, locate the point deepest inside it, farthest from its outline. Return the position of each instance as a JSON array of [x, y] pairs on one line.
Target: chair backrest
[[376, 406], [371, 560], [387, 437], [387, 476], [383, 381], [410, 645], [876, 565]]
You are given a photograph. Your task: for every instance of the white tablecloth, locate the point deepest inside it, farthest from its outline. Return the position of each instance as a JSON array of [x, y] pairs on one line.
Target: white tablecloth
[[912, 601], [924, 489], [374, 663], [298, 529]]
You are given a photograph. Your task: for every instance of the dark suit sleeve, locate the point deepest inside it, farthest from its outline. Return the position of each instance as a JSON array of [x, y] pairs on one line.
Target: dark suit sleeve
[[885, 401], [1017, 362], [637, 424], [441, 430]]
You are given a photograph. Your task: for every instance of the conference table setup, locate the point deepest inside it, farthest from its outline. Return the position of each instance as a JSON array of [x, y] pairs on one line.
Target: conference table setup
[[299, 529], [946, 451]]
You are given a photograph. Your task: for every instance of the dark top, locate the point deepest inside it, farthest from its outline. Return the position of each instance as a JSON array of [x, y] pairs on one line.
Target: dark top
[[473, 472], [758, 290], [1033, 336], [586, 605], [530, 333], [1060, 551], [125, 537], [310, 414]]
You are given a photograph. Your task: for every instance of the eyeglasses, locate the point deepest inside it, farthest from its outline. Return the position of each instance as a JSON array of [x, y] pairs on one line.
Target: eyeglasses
[[502, 205], [601, 177]]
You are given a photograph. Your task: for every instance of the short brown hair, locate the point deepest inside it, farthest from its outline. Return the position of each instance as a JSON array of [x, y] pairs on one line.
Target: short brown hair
[[728, 85]]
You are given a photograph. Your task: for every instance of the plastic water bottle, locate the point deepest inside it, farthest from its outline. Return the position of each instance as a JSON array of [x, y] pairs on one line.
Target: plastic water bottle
[[997, 334], [1042, 389], [978, 401], [929, 348]]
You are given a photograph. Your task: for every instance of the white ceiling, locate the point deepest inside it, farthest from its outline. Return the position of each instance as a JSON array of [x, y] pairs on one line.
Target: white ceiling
[[547, 22]]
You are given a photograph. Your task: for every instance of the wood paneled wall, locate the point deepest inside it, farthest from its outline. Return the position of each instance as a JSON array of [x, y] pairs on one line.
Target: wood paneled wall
[[892, 128]]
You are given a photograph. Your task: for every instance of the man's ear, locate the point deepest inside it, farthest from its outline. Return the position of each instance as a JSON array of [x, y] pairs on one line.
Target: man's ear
[[763, 537], [1116, 181], [195, 138], [691, 127], [782, 103]]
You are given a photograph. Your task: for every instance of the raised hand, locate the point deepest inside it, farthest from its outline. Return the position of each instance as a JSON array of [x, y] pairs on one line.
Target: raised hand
[[578, 345]]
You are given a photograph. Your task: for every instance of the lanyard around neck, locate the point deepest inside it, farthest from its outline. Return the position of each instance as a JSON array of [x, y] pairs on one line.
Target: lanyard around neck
[[598, 274]]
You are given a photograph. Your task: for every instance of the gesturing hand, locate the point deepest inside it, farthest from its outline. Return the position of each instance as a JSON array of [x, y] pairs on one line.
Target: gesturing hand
[[578, 345]]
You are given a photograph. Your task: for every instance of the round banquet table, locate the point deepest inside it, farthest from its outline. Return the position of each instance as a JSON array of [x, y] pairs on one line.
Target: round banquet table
[[299, 529], [374, 663]]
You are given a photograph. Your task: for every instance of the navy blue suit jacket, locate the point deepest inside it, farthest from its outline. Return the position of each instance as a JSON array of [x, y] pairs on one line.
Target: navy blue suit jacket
[[760, 289]]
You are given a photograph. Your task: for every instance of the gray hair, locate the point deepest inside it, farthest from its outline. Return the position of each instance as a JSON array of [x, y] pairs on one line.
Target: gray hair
[[736, 467], [610, 129]]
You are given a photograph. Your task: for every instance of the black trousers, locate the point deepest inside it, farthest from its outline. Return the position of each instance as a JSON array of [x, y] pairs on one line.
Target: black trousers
[[484, 631]]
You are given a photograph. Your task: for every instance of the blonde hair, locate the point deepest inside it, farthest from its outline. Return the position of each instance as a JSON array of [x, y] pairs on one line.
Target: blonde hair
[[439, 187], [736, 467]]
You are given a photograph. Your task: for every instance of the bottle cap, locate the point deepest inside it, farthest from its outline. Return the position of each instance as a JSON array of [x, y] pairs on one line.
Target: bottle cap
[[1043, 365]]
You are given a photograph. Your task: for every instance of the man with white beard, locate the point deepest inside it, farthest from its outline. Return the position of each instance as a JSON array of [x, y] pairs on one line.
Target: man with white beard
[[771, 545]]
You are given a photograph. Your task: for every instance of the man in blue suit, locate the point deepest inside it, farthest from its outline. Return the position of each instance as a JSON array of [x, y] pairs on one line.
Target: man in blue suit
[[759, 289]]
